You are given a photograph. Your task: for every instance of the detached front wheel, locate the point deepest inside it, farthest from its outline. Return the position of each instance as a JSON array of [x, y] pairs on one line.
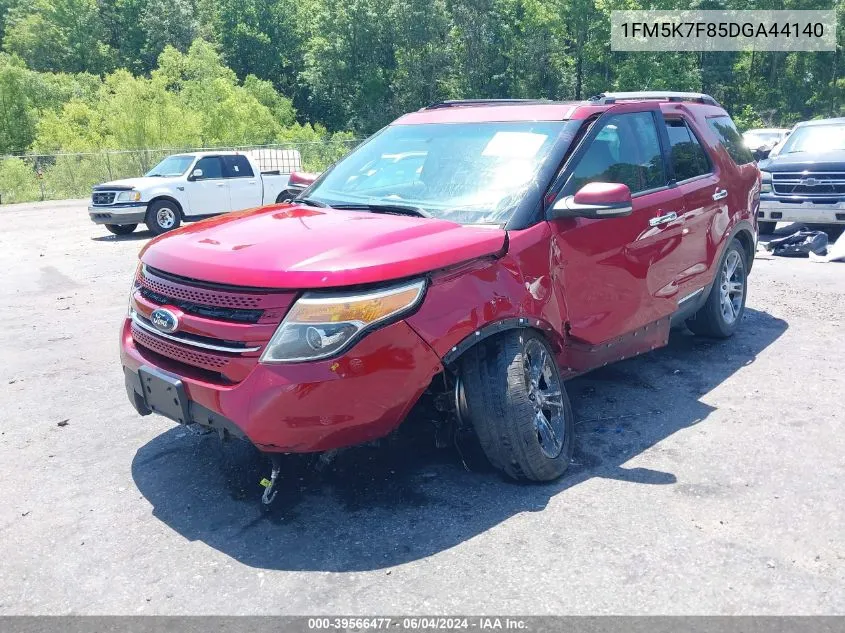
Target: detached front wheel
[[518, 406]]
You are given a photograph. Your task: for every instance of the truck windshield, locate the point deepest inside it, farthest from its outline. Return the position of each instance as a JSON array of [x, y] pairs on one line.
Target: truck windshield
[[172, 166], [816, 138], [472, 173]]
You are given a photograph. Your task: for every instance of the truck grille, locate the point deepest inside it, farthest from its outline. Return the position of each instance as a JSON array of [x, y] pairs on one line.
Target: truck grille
[[103, 197], [222, 329], [809, 185]]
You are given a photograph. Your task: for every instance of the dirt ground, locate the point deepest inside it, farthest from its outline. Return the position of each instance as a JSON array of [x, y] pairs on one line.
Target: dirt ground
[[707, 475]]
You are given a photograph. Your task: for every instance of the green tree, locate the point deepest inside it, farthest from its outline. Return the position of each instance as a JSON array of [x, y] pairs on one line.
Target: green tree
[[58, 35], [349, 62], [166, 23]]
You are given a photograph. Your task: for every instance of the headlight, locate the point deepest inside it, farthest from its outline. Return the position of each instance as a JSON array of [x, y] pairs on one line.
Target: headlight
[[135, 285], [766, 186], [320, 325], [128, 196]]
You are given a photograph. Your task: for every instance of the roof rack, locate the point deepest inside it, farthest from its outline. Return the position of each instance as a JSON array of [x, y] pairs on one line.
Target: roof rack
[[653, 95], [456, 103]]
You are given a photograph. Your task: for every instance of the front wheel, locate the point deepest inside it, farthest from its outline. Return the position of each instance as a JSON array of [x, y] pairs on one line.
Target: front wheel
[[162, 216], [720, 315], [121, 229], [518, 406]]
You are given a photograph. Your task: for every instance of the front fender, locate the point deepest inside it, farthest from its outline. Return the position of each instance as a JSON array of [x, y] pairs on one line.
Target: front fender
[[169, 193], [468, 303]]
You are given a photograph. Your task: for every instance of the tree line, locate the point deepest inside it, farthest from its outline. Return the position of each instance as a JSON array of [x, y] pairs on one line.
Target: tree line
[[79, 75]]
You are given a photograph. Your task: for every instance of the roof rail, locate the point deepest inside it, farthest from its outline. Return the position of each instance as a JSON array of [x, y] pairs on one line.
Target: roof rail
[[455, 103], [653, 95]]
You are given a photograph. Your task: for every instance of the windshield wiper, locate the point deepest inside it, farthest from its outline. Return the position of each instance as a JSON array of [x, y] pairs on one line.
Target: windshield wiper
[[311, 202], [397, 209]]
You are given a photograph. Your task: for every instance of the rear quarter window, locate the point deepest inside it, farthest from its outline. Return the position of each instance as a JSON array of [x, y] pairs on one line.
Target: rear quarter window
[[730, 139]]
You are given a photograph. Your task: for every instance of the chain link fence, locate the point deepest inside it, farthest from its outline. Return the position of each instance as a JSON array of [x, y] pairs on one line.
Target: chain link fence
[[32, 177]]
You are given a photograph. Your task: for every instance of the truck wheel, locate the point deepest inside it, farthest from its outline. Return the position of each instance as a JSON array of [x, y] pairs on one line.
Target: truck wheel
[[766, 228], [162, 216], [518, 406], [720, 315], [121, 229], [285, 195]]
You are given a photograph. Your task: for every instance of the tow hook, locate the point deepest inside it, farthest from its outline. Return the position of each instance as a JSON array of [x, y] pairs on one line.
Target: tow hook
[[270, 484]]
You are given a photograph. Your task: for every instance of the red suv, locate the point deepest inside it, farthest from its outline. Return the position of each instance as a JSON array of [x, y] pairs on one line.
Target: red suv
[[478, 252]]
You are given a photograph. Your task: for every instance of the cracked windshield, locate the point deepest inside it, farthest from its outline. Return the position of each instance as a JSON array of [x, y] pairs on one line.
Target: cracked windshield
[[471, 173]]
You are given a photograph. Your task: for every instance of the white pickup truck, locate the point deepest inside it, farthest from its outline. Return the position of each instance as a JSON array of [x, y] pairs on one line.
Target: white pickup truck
[[193, 186]]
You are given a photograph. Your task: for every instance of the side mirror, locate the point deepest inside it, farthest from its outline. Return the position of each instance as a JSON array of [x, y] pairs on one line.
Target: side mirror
[[761, 152], [196, 174], [595, 200]]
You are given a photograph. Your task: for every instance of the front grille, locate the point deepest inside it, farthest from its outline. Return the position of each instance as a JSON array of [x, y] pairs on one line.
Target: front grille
[[215, 337], [201, 296], [103, 197], [808, 184], [235, 315], [203, 360]]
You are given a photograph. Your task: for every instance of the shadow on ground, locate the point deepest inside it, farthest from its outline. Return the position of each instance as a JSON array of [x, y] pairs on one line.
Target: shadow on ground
[[378, 507], [135, 236]]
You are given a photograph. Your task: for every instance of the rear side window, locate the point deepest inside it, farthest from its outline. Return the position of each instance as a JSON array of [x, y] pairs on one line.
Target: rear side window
[[237, 167], [688, 157], [626, 150], [730, 139]]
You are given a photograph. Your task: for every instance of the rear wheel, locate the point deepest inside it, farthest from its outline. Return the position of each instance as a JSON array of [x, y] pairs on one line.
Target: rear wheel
[[121, 229], [162, 216], [720, 315], [766, 228], [518, 406]]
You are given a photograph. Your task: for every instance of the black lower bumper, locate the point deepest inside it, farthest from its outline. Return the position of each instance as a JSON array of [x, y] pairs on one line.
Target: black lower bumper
[[194, 412]]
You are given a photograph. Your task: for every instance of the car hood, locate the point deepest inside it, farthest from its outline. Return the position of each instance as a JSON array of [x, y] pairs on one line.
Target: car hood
[[291, 246], [806, 161], [135, 183]]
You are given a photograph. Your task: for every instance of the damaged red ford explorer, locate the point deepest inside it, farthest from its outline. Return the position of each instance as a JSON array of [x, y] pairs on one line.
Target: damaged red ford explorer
[[479, 252]]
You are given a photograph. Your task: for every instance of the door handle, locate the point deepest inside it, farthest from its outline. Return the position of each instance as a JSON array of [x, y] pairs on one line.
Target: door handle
[[220, 184], [720, 194], [663, 219]]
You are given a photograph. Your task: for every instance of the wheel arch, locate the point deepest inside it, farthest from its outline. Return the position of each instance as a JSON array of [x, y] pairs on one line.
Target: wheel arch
[[744, 233], [160, 197], [497, 327]]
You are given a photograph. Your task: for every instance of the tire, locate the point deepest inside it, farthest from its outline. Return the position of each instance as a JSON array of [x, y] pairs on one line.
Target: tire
[[285, 195], [766, 228], [121, 229], [715, 318], [500, 403], [163, 216]]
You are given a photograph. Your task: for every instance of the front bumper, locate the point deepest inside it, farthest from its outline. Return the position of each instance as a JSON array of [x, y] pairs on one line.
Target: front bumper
[[303, 407], [118, 214], [779, 209]]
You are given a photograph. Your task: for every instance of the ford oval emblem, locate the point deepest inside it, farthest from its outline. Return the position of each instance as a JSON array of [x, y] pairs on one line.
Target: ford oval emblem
[[164, 320]]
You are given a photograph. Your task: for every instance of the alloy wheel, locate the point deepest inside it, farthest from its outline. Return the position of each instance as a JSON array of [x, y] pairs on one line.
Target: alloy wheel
[[732, 287], [166, 217], [545, 393]]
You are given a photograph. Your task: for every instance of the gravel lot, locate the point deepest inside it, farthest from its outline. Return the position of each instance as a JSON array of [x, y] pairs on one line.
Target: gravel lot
[[708, 475]]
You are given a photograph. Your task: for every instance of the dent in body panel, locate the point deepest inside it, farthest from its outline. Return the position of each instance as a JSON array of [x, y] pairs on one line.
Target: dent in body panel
[[463, 299]]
